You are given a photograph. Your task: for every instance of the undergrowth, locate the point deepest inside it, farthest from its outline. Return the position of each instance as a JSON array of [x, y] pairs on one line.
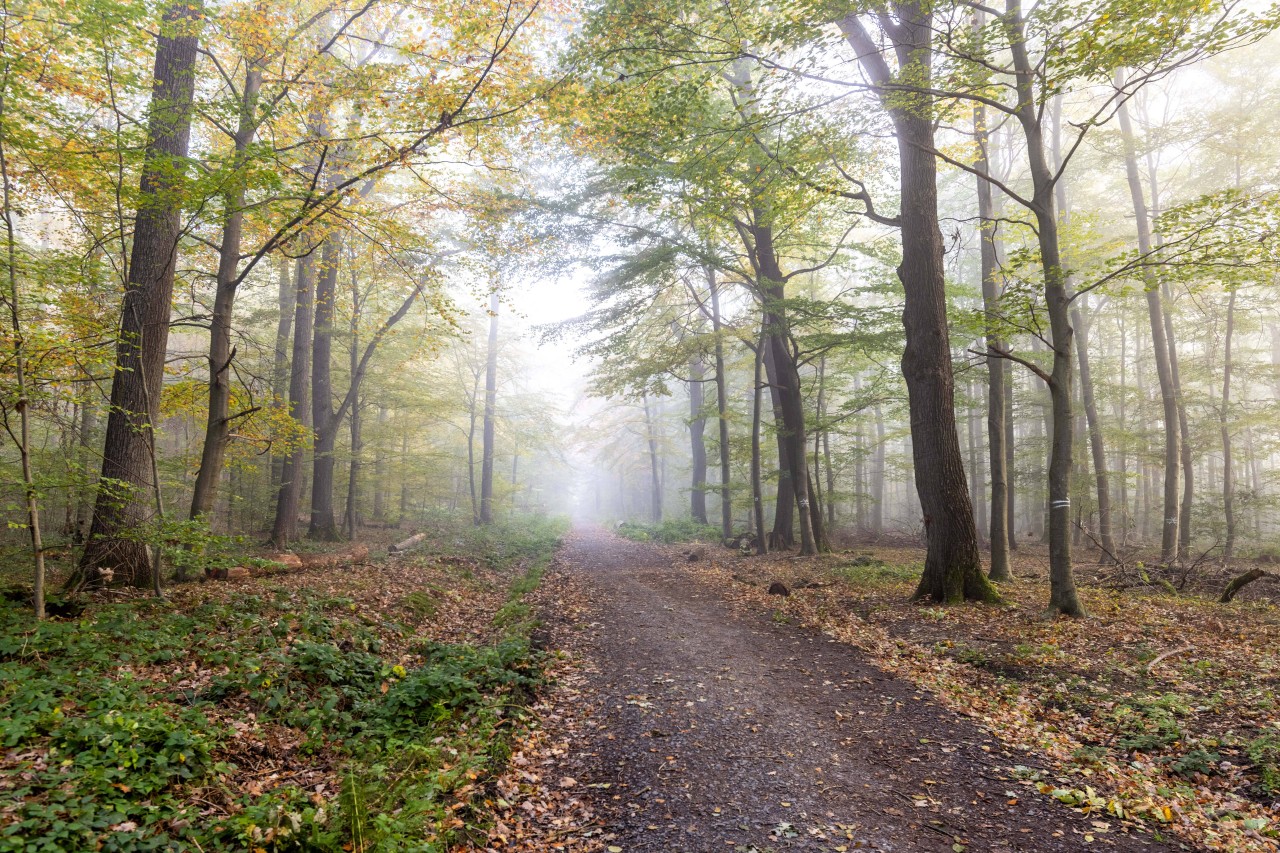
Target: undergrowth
[[680, 530], [121, 728]]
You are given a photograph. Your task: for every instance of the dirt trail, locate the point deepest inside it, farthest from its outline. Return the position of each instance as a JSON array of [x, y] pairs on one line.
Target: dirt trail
[[715, 731]]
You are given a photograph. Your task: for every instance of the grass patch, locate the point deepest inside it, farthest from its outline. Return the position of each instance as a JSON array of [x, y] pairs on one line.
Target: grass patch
[[670, 532]]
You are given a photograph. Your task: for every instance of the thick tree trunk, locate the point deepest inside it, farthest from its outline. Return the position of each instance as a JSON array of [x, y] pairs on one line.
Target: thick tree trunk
[[289, 496], [1160, 348], [490, 402], [1224, 422], [722, 410], [323, 525], [125, 490], [221, 353], [698, 445], [953, 566]]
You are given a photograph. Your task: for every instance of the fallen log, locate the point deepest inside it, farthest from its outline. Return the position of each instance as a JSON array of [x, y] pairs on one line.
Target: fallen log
[[409, 544], [1241, 582]]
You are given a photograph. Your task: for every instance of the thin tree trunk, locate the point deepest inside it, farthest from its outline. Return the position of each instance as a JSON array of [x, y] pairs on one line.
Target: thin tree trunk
[[404, 474], [287, 299], [1062, 592], [490, 402], [1010, 442], [757, 493], [289, 497], [698, 446], [655, 479], [221, 353], [722, 410], [877, 477], [323, 525], [1160, 347], [144, 322], [85, 450], [1224, 421], [22, 404], [997, 435], [380, 469]]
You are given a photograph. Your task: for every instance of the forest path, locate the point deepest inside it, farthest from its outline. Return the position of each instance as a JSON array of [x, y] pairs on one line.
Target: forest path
[[709, 730]]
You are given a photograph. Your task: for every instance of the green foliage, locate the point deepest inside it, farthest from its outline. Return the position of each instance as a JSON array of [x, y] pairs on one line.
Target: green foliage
[[1147, 724], [110, 752], [1264, 752], [869, 571], [682, 530]]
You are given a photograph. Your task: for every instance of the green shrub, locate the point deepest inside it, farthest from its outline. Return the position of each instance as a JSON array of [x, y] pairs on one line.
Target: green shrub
[[670, 532], [1264, 752]]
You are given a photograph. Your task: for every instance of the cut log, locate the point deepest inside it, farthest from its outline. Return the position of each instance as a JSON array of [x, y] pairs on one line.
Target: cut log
[[1241, 582], [409, 544]]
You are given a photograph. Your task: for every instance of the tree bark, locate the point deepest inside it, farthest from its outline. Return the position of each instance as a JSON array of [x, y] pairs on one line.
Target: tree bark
[[490, 403], [655, 479], [324, 419], [287, 300], [1062, 591], [757, 492], [221, 353], [380, 468], [124, 491], [1224, 422], [953, 569], [289, 496], [722, 409], [698, 445], [1160, 347]]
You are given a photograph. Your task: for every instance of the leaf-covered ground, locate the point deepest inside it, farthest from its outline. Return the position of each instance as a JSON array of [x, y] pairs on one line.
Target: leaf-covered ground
[[1160, 707], [361, 707]]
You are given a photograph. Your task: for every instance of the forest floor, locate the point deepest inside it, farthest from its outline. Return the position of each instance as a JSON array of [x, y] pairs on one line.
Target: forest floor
[[696, 712]]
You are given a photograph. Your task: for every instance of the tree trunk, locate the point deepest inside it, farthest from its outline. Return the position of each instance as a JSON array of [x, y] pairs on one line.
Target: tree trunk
[[1160, 347], [722, 410], [757, 493], [86, 450], [221, 353], [953, 569], [698, 446], [124, 494], [287, 299], [877, 477], [490, 402], [1224, 422], [998, 437], [351, 518], [1010, 436], [323, 525], [782, 536], [289, 496], [404, 474], [1062, 591], [655, 479], [380, 468]]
